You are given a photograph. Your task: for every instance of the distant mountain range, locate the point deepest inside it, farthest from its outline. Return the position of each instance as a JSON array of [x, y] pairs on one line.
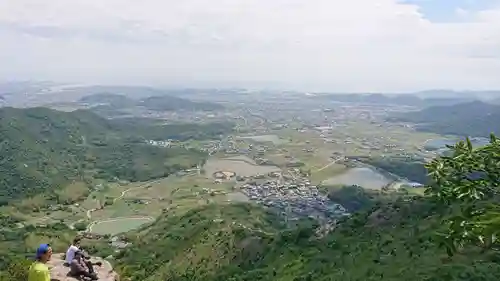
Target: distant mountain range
[[157, 103], [401, 99], [476, 119], [436, 93], [30, 94]]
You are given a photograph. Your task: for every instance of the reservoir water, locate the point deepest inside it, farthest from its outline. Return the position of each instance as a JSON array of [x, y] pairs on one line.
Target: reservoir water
[[362, 176]]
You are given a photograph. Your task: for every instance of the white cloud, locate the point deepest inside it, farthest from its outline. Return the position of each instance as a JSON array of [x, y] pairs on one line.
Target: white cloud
[[335, 45]]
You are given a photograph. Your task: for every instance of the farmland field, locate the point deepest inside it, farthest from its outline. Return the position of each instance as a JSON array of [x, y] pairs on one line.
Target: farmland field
[[265, 138], [118, 225], [241, 168]]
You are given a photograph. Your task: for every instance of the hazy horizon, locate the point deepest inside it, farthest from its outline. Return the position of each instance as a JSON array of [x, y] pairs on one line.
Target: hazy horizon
[[308, 45]]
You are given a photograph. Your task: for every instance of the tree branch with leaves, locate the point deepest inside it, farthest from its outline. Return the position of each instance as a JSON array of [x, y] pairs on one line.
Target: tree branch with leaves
[[466, 185]]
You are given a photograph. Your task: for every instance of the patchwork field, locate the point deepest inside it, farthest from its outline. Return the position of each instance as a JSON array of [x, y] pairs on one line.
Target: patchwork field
[[358, 137], [120, 201], [240, 167], [137, 203]]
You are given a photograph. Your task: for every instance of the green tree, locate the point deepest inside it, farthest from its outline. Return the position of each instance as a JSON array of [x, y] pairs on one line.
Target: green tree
[[18, 270], [466, 186], [81, 226]]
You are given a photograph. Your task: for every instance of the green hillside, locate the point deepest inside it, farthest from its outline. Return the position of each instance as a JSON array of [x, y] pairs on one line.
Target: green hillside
[[42, 150], [203, 241], [391, 243], [476, 119], [448, 235]]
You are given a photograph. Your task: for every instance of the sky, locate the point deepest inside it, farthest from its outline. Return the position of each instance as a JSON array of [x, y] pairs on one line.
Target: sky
[[314, 45]]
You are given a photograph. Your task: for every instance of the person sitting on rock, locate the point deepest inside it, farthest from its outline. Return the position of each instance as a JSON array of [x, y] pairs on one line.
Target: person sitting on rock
[[73, 248], [81, 266], [39, 271]]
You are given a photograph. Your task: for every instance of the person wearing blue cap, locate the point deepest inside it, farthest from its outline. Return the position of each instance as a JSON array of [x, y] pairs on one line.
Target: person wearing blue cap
[[39, 271]]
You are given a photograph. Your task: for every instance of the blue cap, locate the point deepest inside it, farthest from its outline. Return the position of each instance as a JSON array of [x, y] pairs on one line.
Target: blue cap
[[42, 249]]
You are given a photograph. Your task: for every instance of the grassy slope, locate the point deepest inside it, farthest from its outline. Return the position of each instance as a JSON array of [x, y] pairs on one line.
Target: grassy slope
[[392, 243], [201, 242]]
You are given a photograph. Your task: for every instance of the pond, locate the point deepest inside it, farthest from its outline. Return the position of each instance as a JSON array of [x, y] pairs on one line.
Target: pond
[[364, 177]]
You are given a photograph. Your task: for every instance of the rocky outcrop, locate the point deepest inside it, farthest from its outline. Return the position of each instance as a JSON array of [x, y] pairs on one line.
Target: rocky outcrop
[[59, 272]]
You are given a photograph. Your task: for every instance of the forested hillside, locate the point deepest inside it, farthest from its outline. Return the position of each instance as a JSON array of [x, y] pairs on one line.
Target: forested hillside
[[448, 235], [395, 242], [43, 149], [476, 119]]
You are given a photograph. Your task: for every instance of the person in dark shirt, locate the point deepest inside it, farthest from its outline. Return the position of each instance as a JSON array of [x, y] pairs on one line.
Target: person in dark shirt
[[81, 267]]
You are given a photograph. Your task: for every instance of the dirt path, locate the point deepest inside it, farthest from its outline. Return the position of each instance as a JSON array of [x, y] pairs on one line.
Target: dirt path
[[89, 212], [132, 188], [329, 164]]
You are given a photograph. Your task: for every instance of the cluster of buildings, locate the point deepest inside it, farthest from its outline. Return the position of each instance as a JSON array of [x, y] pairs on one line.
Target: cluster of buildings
[[166, 143], [294, 199]]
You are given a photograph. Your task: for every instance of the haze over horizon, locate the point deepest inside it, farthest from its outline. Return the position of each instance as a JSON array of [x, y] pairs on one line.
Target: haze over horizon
[[314, 45]]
